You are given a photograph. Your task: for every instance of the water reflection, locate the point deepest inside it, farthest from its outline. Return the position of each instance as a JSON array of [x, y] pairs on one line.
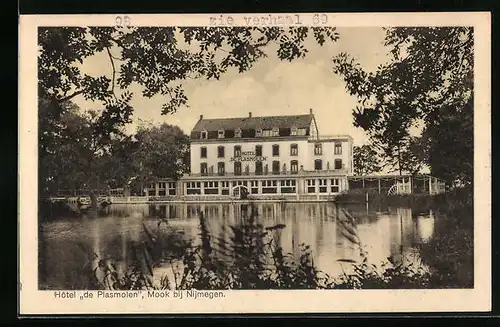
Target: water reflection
[[70, 248]]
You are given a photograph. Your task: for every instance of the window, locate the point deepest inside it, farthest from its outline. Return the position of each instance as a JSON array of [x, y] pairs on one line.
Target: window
[[311, 186], [162, 189], [258, 150], [203, 152], [267, 132], [334, 188], [221, 168], [269, 187], [237, 151], [220, 134], [301, 131], [322, 185], [204, 135], [287, 186], [171, 188], [204, 168], [225, 188], [211, 187], [275, 132], [294, 166], [338, 164], [237, 132], [318, 164], [293, 131], [254, 187], [258, 132], [294, 149], [318, 149], [237, 167], [220, 152], [193, 188], [258, 168], [276, 167], [337, 148], [276, 150]]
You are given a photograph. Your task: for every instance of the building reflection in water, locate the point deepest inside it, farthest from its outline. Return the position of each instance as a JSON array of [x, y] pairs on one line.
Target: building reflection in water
[[392, 233]]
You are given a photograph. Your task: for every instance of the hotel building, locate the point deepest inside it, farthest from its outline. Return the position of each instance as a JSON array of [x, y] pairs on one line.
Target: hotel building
[[270, 157]]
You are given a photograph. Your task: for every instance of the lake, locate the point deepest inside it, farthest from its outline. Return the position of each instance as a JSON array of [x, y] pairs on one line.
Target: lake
[[69, 246]]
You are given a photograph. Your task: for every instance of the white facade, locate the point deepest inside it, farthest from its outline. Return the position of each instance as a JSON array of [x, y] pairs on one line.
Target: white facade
[[334, 154], [271, 157]]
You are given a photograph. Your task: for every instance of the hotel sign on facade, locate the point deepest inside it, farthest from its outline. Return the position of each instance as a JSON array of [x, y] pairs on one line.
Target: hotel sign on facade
[[248, 156]]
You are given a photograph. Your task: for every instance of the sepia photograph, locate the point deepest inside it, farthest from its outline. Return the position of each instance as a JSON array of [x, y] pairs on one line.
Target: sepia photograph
[[284, 153]]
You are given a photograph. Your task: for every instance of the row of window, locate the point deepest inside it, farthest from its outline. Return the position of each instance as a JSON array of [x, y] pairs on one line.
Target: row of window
[[318, 148], [294, 150], [162, 185], [260, 168], [238, 133], [285, 186]]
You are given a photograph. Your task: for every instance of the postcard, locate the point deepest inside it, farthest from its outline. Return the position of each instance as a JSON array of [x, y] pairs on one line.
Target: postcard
[[254, 163]]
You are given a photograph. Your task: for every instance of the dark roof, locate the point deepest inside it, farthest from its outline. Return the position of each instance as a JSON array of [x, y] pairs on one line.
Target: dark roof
[[264, 122]]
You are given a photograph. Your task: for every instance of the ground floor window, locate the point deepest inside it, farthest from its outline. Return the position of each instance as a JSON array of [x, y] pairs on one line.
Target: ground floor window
[[162, 188], [288, 186], [254, 187], [334, 187], [193, 188], [172, 186], [269, 187], [311, 186], [211, 187], [224, 188], [322, 186]]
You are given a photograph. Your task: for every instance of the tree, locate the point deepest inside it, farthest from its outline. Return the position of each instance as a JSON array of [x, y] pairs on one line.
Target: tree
[[161, 152], [79, 153], [426, 84], [366, 160], [156, 58]]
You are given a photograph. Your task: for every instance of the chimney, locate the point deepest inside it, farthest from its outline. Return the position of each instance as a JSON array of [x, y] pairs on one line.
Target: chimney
[[250, 114], [201, 117], [310, 111]]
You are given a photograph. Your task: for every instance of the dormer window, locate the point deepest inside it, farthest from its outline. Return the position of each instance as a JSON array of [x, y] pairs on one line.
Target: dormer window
[[204, 135], [237, 133], [220, 134], [258, 132], [301, 131], [275, 131], [293, 131]]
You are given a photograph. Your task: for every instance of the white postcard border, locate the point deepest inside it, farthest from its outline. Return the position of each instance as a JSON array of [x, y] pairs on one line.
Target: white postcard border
[[33, 301]]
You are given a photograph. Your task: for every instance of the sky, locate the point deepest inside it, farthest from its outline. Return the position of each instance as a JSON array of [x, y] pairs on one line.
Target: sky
[[271, 87]]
